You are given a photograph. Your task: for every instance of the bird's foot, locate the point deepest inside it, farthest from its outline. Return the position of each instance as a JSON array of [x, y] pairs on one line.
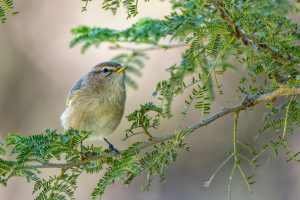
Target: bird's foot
[[84, 154], [111, 147]]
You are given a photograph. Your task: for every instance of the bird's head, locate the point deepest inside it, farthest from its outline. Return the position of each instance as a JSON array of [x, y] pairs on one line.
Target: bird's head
[[106, 73]]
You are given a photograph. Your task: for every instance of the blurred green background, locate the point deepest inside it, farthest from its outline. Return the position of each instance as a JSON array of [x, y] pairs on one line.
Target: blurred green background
[[38, 68]]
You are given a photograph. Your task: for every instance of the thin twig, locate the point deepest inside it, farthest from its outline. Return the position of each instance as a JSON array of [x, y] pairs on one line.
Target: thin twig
[[150, 48], [286, 118], [207, 183], [235, 153], [230, 182], [245, 178], [246, 147], [56, 182], [147, 132], [246, 159]]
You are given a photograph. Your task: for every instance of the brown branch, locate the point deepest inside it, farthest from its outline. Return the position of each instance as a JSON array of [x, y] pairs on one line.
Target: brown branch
[[66, 166], [246, 37], [249, 101]]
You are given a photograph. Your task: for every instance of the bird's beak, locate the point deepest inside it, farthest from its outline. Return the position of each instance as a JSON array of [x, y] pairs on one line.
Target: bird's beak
[[121, 69]]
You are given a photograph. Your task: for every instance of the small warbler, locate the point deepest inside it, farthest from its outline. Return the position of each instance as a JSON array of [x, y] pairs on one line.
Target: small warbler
[[96, 101]]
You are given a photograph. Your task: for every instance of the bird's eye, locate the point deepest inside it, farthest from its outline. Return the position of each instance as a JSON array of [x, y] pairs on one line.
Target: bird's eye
[[104, 71]]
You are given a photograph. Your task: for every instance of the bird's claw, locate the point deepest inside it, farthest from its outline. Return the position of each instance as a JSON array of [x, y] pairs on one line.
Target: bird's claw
[[111, 148], [85, 155]]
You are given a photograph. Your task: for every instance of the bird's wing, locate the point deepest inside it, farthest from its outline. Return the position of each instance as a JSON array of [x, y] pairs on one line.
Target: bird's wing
[[77, 85]]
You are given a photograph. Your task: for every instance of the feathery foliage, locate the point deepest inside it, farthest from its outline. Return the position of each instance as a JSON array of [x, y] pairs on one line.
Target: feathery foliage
[[6, 7], [254, 37], [142, 121]]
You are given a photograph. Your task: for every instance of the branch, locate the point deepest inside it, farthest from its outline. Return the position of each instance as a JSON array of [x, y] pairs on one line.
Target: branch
[[246, 37], [150, 48], [249, 101], [66, 166]]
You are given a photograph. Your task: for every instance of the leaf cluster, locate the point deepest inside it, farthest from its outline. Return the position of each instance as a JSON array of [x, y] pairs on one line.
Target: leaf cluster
[[41, 149], [142, 121]]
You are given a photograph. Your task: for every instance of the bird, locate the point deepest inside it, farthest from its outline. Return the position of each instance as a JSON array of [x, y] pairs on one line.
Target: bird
[[96, 101]]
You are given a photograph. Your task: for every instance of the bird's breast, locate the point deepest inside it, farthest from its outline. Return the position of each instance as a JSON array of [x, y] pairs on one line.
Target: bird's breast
[[95, 111]]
